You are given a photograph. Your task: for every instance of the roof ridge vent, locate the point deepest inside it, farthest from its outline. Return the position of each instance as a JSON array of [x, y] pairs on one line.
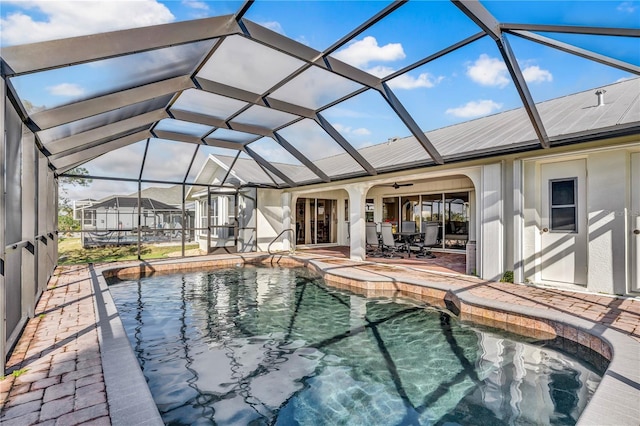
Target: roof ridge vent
[[600, 94]]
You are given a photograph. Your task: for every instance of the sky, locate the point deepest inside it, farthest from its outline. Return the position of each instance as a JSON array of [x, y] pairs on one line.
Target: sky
[[470, 83]]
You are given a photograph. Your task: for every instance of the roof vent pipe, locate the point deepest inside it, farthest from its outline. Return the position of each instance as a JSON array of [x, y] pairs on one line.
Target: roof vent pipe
[[600, 94]]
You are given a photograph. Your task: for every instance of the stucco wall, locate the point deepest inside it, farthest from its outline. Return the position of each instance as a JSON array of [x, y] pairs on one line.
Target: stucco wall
[[269, 218], [608, 177], [608, 185]]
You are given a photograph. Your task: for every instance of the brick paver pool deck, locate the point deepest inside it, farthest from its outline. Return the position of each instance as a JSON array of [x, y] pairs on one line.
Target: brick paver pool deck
[[73, 364]]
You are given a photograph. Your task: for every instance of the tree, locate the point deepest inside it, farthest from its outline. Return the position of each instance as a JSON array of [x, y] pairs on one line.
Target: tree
[[66, 221]]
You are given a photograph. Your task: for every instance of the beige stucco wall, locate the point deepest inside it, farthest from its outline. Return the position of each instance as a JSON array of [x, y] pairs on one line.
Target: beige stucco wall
[[608, 191], [269, 218]]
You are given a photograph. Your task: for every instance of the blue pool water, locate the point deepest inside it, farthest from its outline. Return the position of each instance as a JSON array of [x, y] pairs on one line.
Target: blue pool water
[[256, 345]]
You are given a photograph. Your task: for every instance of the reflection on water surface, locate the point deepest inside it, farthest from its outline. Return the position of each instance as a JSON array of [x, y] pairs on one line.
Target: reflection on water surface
[[254, 345]]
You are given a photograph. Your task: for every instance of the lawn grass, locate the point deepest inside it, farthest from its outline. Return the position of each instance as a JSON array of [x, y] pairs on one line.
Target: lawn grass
[[70, 252]]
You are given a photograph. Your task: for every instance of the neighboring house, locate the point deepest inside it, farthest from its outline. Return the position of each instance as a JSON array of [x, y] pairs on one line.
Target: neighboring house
[[79, 205], [171, 195], [115, 221], [161, 207], [566, 216]]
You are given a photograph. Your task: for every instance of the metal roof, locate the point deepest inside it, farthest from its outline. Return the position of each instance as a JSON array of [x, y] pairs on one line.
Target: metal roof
[[203, 85], [504, 132], [132, 202]]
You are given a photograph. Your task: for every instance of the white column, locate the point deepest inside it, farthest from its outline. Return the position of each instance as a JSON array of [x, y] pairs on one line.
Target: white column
[[490, 198], [357, 243], [287, 237]]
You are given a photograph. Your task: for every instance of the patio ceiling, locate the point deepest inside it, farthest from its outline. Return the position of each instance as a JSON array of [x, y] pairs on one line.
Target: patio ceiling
[[258, 100]]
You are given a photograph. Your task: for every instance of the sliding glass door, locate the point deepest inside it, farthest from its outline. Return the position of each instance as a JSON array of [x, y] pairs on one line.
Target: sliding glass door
[[449, 210], [316, 221]]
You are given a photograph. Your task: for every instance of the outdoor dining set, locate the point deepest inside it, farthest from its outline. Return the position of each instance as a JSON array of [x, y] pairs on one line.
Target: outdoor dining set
[[381, 241]]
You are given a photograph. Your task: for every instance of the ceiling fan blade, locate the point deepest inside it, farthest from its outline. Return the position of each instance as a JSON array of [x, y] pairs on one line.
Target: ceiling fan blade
[[396, 185]]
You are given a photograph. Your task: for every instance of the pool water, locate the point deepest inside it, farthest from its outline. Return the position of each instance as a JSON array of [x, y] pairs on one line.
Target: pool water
[[260, 345]]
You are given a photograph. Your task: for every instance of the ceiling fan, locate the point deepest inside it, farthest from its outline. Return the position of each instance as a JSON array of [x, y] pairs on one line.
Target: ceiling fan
[[396, 185]]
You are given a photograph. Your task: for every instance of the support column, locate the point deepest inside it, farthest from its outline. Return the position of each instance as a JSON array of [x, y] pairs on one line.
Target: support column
[[491, 222], [29, 217], [3, 321], [287, 238], [357, 243]]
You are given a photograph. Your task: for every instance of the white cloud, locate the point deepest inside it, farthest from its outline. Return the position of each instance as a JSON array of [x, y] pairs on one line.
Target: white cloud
[[72, 18], [534, 74], [341, 112], [346, 130], [361, 52], [99, 189], [475, 109], [193, 4], [408, 82], [626, 7], [302, 39], [361, 131], [273, 26], [66, 89], [489, 71], [405, 81]]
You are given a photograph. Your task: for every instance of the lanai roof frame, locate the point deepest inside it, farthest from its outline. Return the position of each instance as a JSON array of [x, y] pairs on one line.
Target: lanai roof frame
[[77, 148]]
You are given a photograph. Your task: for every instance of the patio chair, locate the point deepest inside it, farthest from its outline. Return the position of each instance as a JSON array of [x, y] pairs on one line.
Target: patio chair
[[391, 247], [429, 239], [408, 226], [372, 242]]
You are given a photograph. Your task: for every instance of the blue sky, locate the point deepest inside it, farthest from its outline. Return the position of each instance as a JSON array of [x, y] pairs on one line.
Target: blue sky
[[470, 83]]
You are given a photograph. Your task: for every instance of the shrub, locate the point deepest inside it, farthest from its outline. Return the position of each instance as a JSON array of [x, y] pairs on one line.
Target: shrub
[[507, 277]]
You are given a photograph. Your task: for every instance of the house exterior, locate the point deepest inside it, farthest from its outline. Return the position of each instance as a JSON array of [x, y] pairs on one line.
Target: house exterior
[[565, 216], [225, 219], [79, 205], [115, 221]]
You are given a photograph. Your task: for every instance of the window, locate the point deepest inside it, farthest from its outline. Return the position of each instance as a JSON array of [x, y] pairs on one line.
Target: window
[[390, 211], [456, 220], [563, 206], [369, 208]]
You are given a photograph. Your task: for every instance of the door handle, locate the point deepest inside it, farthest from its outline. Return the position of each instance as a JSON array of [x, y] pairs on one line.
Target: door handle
[[636, 231], [545, 229]]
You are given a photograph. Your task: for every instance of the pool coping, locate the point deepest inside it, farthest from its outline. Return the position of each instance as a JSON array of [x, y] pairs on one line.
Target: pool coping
[[615, 401]]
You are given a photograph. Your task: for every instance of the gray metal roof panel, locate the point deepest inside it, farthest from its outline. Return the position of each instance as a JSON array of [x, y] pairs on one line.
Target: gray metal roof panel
[[129, 202], [580, 111], [569, 114]]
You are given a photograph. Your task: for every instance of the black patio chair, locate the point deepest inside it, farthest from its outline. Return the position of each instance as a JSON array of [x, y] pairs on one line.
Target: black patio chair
[[429, 240], [391, 247], [372, 241]]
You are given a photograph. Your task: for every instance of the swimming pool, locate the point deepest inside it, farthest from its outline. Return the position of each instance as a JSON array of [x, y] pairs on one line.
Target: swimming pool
[[276, 345]]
